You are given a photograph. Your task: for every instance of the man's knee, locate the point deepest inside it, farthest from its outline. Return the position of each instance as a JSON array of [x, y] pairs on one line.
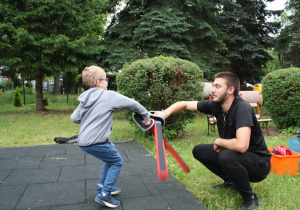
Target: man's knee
[[202, 151], [197, 152], [228, 158]]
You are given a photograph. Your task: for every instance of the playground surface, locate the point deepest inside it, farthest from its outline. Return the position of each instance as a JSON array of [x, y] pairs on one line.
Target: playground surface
[[62, 176]]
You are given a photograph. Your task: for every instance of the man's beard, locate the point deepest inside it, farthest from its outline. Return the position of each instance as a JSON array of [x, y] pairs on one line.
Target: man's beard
[[221, 99]]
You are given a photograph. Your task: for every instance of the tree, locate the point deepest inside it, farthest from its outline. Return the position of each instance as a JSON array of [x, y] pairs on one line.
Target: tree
[[17, 98], [49, 36], [248, 35], [217, 35], [288, 42], [181, 29], [271, 65]]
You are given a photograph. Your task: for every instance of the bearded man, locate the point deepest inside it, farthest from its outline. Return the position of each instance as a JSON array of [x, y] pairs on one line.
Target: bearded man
[[240, 155]]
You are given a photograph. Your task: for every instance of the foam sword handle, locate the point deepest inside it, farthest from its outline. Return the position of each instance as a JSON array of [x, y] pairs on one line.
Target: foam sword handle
[[162, 166]]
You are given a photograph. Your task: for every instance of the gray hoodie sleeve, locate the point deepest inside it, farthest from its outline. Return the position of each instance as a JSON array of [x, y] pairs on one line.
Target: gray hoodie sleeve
[[75, 117], [122, 102]]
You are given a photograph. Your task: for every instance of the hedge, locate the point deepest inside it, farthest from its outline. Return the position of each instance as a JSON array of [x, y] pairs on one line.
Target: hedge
[[159, 82], [281, 91]]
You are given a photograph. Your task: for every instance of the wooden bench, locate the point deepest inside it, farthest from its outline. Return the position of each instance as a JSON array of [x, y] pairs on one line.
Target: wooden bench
[[265, 123], [256, 106]]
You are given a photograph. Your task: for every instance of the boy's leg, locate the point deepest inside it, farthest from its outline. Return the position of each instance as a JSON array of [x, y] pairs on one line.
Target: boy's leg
[[113, 163], [103, 173]]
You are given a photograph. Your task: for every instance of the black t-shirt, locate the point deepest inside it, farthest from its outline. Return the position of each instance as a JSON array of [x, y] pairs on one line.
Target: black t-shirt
[[239, 115]]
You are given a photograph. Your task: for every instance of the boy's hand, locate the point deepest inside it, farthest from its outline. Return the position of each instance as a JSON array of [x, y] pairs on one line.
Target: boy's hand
[[146, 122]]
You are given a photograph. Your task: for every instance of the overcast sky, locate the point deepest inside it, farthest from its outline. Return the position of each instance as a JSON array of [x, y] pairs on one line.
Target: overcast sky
[[276, 5]]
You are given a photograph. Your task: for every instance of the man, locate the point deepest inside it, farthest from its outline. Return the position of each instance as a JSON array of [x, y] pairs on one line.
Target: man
[[240, 155]]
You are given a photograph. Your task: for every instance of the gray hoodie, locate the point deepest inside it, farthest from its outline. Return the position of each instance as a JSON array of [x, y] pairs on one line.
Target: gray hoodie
[[94, 113]]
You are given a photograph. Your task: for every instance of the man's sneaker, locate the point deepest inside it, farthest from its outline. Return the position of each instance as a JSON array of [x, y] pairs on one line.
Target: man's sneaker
[[115, 191], [228, 184], [107, 200], [251, 204]]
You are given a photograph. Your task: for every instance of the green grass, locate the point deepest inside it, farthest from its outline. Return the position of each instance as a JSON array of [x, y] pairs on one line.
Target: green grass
[[24, 127]]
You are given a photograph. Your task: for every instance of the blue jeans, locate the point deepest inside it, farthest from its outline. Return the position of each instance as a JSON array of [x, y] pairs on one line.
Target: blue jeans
[[112, 164]]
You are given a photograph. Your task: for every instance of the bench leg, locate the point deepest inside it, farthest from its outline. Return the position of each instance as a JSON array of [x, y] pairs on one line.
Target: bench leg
[[265, 124], [208, 128], [267, 128]]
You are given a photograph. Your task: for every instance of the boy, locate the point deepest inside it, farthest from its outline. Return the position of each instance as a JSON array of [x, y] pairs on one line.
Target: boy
[[94, 113]]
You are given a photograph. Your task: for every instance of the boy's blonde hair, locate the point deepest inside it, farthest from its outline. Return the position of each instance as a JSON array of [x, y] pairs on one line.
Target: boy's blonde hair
[[91, 74]]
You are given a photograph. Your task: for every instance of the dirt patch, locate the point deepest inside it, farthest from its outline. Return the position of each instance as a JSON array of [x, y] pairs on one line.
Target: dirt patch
[[273, 131]]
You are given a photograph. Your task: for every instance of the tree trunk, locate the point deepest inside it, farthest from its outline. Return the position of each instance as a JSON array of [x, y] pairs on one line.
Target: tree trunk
[[39, 91], [56, 84]]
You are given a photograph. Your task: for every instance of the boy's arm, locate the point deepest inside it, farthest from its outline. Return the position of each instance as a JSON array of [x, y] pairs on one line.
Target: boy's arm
[[123, 102], [75, 116]]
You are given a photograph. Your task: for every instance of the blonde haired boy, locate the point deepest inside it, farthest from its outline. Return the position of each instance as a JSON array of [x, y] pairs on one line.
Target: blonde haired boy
[[94, 114]]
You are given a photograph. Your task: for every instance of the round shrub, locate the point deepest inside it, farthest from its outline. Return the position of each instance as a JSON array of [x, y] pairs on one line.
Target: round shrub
[[159, 82], [281, 90]]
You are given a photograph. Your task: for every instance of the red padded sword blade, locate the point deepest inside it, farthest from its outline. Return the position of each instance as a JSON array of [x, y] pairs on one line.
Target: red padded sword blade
[[162, 166]]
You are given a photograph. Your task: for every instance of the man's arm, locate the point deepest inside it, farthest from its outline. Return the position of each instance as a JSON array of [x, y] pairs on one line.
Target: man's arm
[[178, 107], [238, 144]]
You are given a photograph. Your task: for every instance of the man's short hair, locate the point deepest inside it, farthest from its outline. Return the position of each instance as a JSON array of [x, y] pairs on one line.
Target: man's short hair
[[91, 74], [231, 80]]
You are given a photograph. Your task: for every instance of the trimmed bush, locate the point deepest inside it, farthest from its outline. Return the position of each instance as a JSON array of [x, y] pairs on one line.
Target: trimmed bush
[[159, 82], [17, 98], [281, 90], [6, 86]]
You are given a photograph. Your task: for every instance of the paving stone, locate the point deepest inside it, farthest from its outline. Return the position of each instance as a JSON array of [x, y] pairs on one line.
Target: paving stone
[[40, 195], [74, 149], [10, 195], [21, 162], [3, 175], [156, 202], [63, 160], [14, 152], [81, 172], [46, 150], [33, 176]]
